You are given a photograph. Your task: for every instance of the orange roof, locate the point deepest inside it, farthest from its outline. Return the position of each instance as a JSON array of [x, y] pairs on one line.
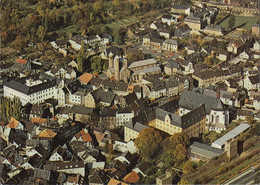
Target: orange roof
[[2, 123], [39, 120], [99, 136], [112, 78], [131, 177], [86, 138], [47, 133], [13, 123], [115, 182], [21, 61], [85, 78]]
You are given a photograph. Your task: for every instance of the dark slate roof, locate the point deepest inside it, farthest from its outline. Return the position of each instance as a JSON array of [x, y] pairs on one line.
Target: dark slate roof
[[107, 112], [35, 160], [145, 116], [170, 106], [182, 61], [42, 174], [167, 16], [114, 50], [193, 117], [102, 96], [205, 150], [58, 165], [244, 112], [20, 87], [105, 35], [136, 126], [180, 6], [175, 119], [192, 100], [185, 121], [173, 64], [59, 150], [143, 166], [130, 157], [254, 79], [41, 150], [82, 110]]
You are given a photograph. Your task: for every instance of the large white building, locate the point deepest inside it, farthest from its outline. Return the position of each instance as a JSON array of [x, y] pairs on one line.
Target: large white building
[[31, 89]]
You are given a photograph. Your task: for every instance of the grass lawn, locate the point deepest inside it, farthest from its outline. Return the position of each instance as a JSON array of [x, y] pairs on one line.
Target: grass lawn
[[249, 21], [123, 22]]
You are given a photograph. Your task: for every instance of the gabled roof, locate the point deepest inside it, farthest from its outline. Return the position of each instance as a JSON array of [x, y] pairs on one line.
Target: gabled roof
[[254, 79], [42, 174], [85, 78], [39, 120], [180, 6], [47, 133], [142, 63], [132, 177], [21, 61], [192, 100], [143, 166], [41, 150], [13, 123], [205, 150], [116, 182], [81, 110]]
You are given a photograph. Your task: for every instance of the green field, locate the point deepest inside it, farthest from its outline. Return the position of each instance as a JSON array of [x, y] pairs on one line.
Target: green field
[[249, 21], [123, 22]]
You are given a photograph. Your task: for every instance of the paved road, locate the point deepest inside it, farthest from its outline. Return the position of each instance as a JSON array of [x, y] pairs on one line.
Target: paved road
[[247, 179]]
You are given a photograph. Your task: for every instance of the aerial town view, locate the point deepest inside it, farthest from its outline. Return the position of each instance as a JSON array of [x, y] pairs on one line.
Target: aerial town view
[[120, 92]]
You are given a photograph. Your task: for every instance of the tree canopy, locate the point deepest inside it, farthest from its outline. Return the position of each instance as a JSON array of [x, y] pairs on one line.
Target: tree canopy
[[148, 142]]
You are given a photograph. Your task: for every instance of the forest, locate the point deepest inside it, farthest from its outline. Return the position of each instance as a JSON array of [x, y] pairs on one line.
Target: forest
[[39, 20]]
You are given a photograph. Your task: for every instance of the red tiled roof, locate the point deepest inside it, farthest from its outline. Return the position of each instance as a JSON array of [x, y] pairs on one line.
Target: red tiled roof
[[21, 61], [13, 123], [131, 177], [85, 78], [39, 120], [86, 138]]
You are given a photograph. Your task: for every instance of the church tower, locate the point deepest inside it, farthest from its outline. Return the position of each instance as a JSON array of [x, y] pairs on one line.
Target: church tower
[[116, 66]]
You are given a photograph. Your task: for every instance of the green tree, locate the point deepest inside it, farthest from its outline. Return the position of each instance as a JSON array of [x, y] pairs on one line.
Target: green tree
[[10, 108], [231, 21], [96, 64], [175, 149], [41, 32], [188, 167], [119, 36], [80, 58], [148, 142]]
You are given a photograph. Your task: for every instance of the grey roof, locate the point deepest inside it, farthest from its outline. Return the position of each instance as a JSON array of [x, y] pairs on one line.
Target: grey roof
[[82, 110], [147, 70], [171, 41], [136, 126], [173, 64], [102, 96], [142, 63], [21, 87], [59, 165], [191, 100], [42, 174], [180, 6], [143, 166], [231, 134], [205, 150], [185, 121], [244, 112]]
